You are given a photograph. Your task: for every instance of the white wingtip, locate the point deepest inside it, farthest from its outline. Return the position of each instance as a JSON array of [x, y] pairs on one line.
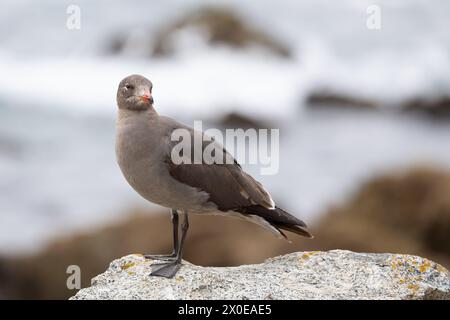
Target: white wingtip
[[272, 204]]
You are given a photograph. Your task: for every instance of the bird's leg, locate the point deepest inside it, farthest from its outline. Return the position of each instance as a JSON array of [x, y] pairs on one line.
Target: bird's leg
[[169, 269], [176, 243], [184, 230]]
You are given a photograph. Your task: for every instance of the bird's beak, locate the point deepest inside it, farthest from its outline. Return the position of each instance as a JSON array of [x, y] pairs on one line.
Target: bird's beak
[[146, 96]]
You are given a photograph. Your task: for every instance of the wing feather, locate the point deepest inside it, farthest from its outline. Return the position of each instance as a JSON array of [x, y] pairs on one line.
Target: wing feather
[[228, 185], [231, 189]]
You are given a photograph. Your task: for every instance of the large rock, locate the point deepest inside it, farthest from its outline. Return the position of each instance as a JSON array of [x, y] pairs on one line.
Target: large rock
[[220, 26], [213, 25], [334, 274]]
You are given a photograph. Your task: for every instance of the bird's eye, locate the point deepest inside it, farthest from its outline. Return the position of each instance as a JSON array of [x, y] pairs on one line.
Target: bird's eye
[[128, 86]]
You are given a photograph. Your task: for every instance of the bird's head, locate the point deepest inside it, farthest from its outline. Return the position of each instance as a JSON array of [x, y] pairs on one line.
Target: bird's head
[[135, 93]]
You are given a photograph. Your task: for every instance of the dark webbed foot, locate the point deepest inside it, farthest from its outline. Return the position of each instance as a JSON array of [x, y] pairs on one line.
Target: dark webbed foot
[[166, 270], [163, 257]]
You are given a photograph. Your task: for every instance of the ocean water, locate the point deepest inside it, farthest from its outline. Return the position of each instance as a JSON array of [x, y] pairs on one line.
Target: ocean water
[[57, 101]]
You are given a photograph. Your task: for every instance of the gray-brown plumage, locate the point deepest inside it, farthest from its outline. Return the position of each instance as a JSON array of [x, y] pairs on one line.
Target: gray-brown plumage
[[143, 148]]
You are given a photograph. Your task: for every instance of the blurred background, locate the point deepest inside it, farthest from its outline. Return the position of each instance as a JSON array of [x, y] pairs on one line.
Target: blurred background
[[364, 119]]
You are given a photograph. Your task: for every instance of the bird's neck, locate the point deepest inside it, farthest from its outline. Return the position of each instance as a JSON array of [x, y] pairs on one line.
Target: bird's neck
[[148, 114]]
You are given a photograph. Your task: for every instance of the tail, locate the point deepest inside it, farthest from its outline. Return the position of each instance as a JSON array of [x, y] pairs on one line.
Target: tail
[[296, 229], [279, 219]]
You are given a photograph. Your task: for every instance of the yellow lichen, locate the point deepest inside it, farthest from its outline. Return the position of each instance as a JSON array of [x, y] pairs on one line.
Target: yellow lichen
[[307, 255], [425, 266], [128, 265], [413, 287]]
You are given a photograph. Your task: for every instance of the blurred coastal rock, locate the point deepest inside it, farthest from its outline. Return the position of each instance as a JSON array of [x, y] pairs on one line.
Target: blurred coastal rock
[[216, 25], [220, 26], [437, 108], [328, 98], [336, 274], [235, 120], [406, 211]]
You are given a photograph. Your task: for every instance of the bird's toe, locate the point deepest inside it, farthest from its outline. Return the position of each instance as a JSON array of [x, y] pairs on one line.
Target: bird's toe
[[166, 270]]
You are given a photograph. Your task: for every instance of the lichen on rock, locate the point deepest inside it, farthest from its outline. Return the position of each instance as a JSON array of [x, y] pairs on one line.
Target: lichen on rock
[[335, 274]]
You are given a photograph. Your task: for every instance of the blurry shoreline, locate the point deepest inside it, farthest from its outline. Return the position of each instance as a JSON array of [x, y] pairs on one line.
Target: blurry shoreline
[[402, 212], [80, 185]]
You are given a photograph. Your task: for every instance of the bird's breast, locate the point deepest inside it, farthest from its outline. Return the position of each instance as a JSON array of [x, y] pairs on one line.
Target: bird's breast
[[141, 155]]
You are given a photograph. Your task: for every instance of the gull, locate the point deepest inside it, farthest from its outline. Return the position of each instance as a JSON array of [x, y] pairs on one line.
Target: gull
[[144, 146]]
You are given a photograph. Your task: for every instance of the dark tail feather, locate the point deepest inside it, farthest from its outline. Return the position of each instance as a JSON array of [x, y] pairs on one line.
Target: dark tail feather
[[296, 229], [279, 219]]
